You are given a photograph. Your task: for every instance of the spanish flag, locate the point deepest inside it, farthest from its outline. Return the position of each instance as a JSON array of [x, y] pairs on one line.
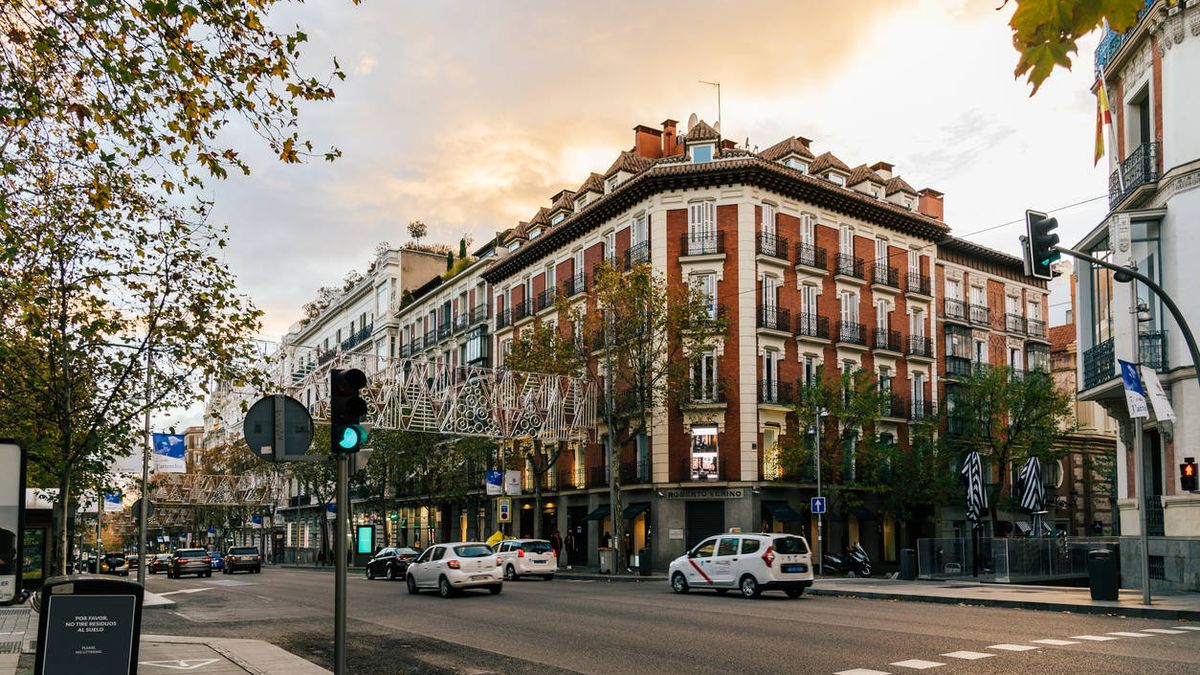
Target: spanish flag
[[1103, 116]]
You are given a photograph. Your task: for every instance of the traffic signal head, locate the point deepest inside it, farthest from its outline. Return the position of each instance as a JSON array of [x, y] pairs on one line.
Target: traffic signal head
[[1189, 475], [346, 410], [1040, 241]]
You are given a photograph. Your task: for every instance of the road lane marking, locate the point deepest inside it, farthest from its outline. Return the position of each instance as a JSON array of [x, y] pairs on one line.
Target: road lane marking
[[1012, 648], [190, 664], [1128, 634], [1093, 638], [917, 664], [969, 656], [862, 671], [1188, 627], [1164, 631], [185, 590], [1056, 643]]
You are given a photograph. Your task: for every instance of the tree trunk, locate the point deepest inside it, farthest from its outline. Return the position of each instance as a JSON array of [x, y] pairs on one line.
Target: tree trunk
[[618, 523], [64, 534]]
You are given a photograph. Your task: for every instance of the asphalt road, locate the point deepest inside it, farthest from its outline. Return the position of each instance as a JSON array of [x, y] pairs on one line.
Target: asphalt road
[[601, 627]]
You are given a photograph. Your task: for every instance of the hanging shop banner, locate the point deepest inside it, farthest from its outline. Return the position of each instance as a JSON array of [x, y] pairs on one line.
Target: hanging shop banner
[[512, 482], [1135, 393], [493, 481], [168, 453], [1163, 412], [12, 493]]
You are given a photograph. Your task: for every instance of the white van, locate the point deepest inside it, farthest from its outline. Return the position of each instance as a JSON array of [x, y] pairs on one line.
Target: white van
[[749, 562]]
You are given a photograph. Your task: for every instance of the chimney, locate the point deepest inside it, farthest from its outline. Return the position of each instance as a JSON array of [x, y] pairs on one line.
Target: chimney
[[670, 147], [806, 142], [647, 142], [883, 169], [727, 144], [929, 202]]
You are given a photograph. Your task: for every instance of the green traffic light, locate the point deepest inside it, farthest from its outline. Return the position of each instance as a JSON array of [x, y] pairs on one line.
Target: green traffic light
[[352, 437]]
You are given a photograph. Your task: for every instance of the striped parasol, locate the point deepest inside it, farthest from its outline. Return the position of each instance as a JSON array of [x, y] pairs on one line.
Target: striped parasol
[[976, 495], [1033, 491]]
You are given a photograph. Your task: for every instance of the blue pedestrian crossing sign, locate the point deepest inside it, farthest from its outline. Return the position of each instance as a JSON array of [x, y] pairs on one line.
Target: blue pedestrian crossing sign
[[504, 509], [818, 505]]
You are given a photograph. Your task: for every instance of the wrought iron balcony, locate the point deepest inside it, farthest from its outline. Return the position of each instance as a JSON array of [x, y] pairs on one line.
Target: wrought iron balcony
[[849, 266], [771, 245], [416, 345], [1037, 356], [774, 391], [886, 339], [520, 310], [358, 337], [635, 473], [812, 325], [479, 313], [895, 407], [326, 356], [705, 392], [1138, 169], [503, 318], [955, 425], [702, 244], [811, 255], [955, 309], [851, 332], [919, 283], [958, 366], [774, 318], [1099, 364], [1036, 328], [1111, 41], [575, 284], [1152, 348], [637, 254], [919, 345], [444, 330], [431, 337], [703, 469], [980, 314], [597, 476], [1014, 323], [922, 410], [545, 298], [886, 275]]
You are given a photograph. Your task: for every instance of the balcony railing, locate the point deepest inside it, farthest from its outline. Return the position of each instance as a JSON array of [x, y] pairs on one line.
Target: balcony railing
[[1153, 350], [705, 392], [1138, 169], [1014, 323], [922, 410], [981, 314], [580, 477], [774, 391], [597, 476], [852, 332], [919, 345], [958, 366], [358, 337], [545, 298], [702, 244], [703, 469], [812, 325], [811, 255], [417, 344], [479, 313], [919, 283], [886, 339], [895, 407], [774, 318], [1099, 364], [1036, 328], [503, 318], [849, 266], [956, 309], [1111, 41], [520, 310], [882, 273], [637, 254], [444, 330], [955, 425], [575, 284], [634, 473], [431, 337], [771, 245]]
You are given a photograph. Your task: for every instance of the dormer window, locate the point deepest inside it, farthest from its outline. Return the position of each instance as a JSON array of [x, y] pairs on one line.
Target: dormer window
[[535, 233], [581, 202], [797, 164], [514, 245], [909, 203], [702, 153], [612, 183], [835, 179], [558, 218]]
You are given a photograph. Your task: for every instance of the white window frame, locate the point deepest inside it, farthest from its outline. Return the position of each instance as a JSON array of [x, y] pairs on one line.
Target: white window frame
[[882, 310], [808, 229], [706, 283], [954, 289], [849, 307], [836, 179], [702, 153], [881, 250], [768, 219], [916, 326], [612, 182], [846, 240], [639, 229]]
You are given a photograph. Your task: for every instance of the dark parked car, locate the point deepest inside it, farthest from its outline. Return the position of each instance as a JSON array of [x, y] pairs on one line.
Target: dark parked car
[[391, 562], [159, 563], [189, 561], [242, 558], [114, 563]]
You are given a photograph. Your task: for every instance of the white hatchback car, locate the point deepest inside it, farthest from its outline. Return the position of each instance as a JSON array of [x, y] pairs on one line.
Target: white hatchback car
[[749, 562], [527, 557], [449, 568]]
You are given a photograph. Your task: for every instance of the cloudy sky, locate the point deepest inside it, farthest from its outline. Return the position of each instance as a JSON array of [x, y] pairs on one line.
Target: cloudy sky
[[470, 115]]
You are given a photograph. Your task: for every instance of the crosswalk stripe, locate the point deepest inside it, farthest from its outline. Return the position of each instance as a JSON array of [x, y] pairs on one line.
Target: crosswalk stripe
[[969, 656], [917, 664], [1012, 648], [1093, 638], [1128, 634], [1056, 643], [1164, 631]]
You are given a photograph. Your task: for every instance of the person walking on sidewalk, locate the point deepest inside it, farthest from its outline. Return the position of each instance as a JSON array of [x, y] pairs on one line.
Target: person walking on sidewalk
[[556, 543]]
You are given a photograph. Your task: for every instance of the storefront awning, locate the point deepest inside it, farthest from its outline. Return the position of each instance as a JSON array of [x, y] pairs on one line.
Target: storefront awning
[[783, 512], [630, 512], [599, 512]]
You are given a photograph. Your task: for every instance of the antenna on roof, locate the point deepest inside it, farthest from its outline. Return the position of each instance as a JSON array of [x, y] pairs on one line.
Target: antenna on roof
[[692, 120], [718, 86]]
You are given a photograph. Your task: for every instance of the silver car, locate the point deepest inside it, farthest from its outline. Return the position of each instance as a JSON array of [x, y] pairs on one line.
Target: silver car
[[449, 568], [527, 557]]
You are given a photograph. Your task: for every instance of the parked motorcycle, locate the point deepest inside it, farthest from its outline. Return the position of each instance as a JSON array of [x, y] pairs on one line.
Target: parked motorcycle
[[855, 560]]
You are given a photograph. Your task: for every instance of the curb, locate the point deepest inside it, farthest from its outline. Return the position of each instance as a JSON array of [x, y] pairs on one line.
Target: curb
[[1134, 612], [627, 578]]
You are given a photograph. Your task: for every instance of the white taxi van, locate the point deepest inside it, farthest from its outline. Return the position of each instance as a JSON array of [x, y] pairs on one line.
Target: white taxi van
[[749, 562]]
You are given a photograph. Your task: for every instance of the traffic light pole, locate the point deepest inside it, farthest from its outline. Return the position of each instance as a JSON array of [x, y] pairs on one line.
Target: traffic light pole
[[339, 551]]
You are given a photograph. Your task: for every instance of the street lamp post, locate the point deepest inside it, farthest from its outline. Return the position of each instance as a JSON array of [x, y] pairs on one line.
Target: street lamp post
[[821, 412]]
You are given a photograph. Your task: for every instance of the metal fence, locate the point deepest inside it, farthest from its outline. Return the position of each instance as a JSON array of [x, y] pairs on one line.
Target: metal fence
[[1010, 561]]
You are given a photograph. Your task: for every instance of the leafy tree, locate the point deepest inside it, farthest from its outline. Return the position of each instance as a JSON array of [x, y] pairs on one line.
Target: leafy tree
[[1008, 418], [449, 261], [462, 248], [544, 347], [1045, 31], [417, 230], [651, 334], [318, 479], [914, 481]]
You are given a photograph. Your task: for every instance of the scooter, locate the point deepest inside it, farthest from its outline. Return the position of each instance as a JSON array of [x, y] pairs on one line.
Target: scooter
[[854, 560]]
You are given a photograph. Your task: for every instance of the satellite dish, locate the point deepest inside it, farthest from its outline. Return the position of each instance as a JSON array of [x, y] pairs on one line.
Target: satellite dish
[[692, 120], [717, 127]]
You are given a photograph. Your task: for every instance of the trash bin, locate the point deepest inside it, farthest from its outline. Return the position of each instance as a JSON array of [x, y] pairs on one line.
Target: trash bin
[[908, 564], [644, 562], [606, 560], [1103, 578], [89, 625]]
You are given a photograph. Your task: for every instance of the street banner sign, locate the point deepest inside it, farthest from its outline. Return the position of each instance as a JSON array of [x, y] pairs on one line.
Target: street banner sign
[[512, 482], [504, 509], [1163, 412], [168, 453], [278, 428], [12, 494], [1135, 394], [817, 505], [493, 479]]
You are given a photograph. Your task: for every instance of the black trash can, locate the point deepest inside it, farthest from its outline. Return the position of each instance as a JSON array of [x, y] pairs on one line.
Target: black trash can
[[89, 625], [1103, 576], [908, 564], [644, 562]]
